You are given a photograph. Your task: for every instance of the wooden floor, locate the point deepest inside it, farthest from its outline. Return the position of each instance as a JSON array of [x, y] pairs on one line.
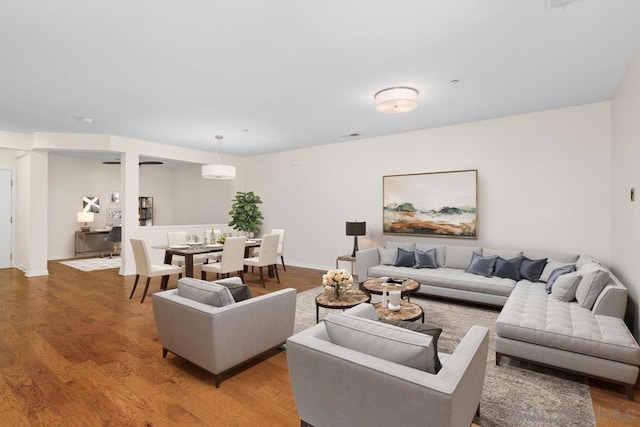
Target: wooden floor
[[74, 350]]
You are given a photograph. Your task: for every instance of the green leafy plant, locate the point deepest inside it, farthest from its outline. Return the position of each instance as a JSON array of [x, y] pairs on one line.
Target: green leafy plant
[[245, 213]]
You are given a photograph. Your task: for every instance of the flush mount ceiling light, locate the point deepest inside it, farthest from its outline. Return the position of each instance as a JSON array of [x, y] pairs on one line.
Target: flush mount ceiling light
[[399, 99], [218, 170]]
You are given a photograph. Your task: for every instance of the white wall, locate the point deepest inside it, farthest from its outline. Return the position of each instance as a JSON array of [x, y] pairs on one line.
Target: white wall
[[544, 183], [626, 174], [157, 182]]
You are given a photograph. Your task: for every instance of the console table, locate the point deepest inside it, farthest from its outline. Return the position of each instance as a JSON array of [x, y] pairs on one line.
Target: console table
[[81, 242]]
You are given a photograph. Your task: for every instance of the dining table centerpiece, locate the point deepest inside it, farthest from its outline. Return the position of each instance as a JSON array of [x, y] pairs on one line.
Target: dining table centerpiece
[[337, 282]]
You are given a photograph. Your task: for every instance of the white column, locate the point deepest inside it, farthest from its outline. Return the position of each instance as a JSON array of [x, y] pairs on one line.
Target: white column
[[129, 192]]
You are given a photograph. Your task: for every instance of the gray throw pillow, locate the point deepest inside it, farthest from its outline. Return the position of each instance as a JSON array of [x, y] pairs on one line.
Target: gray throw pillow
[[422, 328], [388, 256], [592, 283], [481, 265], [552, 264], [239, 291], [557, 273], [439, 251], [564, 288], [426, 259], [204, 292], [531, 269], [508, 269], [404, 258]]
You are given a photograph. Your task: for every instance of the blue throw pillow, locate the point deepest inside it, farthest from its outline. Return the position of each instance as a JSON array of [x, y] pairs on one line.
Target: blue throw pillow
[[425, 259], [404, 258], [531, 269], [557, 273], [508, 269], [482, 266]]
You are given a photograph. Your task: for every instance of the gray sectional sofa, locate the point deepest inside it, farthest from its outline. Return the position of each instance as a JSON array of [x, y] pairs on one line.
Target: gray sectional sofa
[[578, 326]]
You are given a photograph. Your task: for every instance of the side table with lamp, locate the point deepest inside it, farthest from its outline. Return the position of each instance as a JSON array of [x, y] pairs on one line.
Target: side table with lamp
[[354, 229]]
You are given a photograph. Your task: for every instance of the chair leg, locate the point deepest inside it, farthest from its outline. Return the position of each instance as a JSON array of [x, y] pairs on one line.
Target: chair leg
[[203, 275], [262, 278], [275, 268], [164, 353], [241, 274], [134, 286], [282, 259], [146, 288]]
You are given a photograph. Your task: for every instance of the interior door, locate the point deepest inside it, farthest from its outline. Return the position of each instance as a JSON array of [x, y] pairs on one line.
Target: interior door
[[6, 207]]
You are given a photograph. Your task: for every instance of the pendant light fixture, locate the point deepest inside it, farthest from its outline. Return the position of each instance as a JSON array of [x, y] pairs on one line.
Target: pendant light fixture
[[218, 170], [399, 99]]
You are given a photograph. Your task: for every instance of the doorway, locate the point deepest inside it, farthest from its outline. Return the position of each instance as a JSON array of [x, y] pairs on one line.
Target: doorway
[[6, 218]]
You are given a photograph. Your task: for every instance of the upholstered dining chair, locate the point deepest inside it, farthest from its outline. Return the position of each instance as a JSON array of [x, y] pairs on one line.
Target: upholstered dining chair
[[180, 238], [232, 259], [146, 269], [114, 236], [267, 257], [280, 233]]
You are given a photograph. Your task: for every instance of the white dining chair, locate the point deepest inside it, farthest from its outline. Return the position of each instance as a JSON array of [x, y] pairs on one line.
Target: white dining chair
[[280, 233], [146, 269], [175, 238], [232, 259], [267, 257]]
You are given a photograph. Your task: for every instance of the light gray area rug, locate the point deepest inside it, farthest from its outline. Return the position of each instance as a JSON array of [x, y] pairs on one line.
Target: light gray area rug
[[91, 264], [515, 393]]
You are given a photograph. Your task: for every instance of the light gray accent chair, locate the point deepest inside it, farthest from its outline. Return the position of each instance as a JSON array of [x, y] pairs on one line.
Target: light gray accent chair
[[337, 386], [220, 339]]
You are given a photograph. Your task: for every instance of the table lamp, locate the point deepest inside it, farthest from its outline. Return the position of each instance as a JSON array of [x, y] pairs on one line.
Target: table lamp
[[85, 217], [356, 229]]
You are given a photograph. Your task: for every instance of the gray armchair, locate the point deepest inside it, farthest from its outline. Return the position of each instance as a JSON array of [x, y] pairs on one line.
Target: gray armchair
[[219, 339], [337, 386]]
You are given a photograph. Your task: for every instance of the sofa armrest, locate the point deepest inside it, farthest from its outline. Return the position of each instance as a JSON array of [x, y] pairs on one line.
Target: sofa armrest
[[364, 260], [612, 301], [334, 385], [218, 338]]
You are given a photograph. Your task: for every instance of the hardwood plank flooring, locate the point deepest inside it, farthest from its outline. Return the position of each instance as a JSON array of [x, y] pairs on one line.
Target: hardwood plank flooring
[[74, 350]]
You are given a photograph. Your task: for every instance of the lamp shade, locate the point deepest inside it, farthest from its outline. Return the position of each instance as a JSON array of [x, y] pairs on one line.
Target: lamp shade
[[218, 171], [85, 216], [356, 228], [396, 99]]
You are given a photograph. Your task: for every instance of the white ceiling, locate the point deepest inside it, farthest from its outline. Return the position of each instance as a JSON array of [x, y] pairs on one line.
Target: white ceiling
[[299, 73]]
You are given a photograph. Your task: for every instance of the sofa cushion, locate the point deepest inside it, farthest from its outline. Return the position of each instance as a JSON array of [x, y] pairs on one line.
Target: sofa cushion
[[425, 259], [529, 315], [460, 256], [481, 265], [531, 269], [440, 251], [593, 281], [451, 278], [508, 269], [552, 264], [557, 273], [404, 258], [422, 328], [204, 292], [381, 340], [585, 259], [502, 253], [403, 245], [388, 256], [564, 288]]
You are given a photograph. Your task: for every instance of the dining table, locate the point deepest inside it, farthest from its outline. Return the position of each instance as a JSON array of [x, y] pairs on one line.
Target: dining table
[[188, 250]]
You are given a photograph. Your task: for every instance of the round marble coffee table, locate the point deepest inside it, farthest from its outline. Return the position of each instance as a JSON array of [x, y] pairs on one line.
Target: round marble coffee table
[[349, 299], [408, 312], [374, 286]]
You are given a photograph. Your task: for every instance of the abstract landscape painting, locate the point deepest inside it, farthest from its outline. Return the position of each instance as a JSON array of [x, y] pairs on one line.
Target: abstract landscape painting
[[438, 204]]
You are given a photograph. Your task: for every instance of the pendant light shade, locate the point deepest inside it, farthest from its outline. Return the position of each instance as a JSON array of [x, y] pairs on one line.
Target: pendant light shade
[[218, 170], [396, 99]]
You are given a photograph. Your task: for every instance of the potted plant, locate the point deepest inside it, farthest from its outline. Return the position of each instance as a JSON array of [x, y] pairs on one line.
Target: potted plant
[[245, 214]]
